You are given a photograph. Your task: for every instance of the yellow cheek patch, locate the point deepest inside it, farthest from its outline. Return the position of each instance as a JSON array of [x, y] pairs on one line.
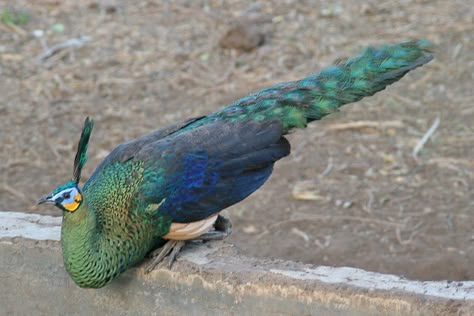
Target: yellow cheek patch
[[71, 207]]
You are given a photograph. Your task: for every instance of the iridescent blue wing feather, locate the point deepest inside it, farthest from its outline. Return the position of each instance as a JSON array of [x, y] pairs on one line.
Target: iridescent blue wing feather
[[202, 171]]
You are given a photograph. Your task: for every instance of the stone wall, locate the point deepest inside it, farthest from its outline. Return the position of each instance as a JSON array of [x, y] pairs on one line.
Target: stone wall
[[207, 279]]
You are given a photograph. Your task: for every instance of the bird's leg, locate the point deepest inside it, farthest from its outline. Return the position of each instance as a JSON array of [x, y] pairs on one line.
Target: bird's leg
[[172, 247], [176, 249], [222, 229]]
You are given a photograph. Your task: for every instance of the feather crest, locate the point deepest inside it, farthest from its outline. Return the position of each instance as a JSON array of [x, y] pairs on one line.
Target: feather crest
[[81, 157]]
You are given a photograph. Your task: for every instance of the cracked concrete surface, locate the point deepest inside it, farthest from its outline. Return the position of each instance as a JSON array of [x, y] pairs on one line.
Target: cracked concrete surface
[[207, 279]]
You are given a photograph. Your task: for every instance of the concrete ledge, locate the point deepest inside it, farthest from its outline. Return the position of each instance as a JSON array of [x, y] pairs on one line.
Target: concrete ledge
[[207, 279]]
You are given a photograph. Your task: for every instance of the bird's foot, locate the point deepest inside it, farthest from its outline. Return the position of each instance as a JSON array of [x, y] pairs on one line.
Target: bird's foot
[[222, 229], [170, 249]]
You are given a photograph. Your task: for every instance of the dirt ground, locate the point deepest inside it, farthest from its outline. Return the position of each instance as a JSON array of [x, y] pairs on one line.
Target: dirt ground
[[350, 194]]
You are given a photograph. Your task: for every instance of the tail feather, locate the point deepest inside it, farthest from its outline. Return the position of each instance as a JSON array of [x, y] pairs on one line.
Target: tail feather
[[299, 102]]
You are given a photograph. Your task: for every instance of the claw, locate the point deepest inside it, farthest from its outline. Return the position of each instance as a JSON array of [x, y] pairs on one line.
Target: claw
[[172, 247]]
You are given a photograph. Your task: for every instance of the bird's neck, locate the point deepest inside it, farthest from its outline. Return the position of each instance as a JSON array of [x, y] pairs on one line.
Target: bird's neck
[[93, 253], [79, 239], [78, 228]]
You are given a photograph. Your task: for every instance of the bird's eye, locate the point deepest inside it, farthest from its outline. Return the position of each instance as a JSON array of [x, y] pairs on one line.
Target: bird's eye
[[67, 195]]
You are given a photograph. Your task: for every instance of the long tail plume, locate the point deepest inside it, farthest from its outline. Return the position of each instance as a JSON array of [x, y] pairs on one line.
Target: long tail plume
[[299, 102]]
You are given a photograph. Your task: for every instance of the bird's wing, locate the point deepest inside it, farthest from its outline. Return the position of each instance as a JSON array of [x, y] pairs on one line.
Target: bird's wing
[[199, 172]]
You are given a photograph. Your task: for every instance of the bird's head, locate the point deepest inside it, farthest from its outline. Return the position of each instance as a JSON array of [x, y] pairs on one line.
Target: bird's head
[[68, 196]]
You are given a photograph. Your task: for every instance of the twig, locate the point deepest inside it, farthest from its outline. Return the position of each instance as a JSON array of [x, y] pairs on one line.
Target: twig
[[300, 233], [364, 124], [73, 42], [398, 235], [12, 57], [370, 202], [16, 29], [419, 146], [307, 191], [328, 169], [447, 161], [327, 242]]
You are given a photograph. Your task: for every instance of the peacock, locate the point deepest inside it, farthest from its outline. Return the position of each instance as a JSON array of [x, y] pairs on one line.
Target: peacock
[[152, 194]]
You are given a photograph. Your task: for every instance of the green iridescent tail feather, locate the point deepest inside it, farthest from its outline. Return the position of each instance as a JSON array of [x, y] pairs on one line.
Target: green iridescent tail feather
[[81, 157], [299, 102]]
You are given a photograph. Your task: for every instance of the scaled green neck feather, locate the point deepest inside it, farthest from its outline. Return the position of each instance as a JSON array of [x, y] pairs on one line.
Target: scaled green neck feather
[[94, 254]]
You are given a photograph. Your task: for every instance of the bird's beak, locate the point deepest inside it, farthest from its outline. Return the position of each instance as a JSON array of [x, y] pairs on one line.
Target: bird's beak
[[48, 198]]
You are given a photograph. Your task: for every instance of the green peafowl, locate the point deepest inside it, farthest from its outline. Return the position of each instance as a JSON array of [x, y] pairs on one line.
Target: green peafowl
[[169, 186]]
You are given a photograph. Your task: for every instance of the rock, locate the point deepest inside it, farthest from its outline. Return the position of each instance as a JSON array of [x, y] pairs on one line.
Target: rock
[[243, 35]]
